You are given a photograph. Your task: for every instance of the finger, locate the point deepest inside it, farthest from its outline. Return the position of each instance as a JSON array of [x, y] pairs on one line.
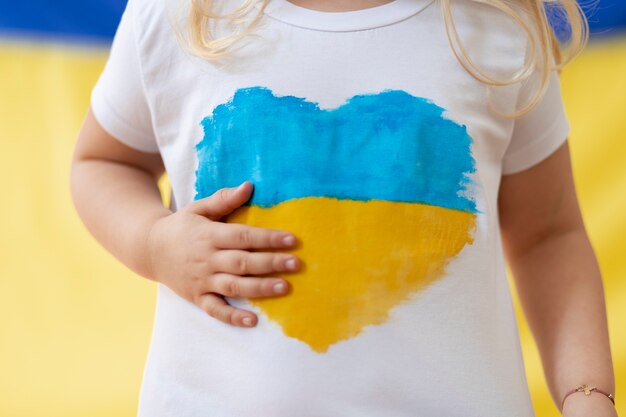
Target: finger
[[217, 307], [241, 262], [241, 236], [222, 202], [231, 285]]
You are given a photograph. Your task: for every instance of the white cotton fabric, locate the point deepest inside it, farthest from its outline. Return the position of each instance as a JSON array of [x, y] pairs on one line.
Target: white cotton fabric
[[455, 350]]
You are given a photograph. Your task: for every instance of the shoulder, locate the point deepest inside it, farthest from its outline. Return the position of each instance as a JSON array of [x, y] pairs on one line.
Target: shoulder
[[160, 25], [493, 38], [150, 18], [157, 25], [492, 16]]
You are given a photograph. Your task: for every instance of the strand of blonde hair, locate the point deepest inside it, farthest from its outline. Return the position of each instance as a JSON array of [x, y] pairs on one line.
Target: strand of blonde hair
[[544, 50]]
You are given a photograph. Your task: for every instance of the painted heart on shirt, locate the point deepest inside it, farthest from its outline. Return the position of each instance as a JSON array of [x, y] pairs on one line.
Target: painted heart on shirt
[[378, 192]]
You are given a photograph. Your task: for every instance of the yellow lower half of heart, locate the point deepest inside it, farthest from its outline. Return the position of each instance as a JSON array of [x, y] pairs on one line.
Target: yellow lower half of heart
[[360, 259]]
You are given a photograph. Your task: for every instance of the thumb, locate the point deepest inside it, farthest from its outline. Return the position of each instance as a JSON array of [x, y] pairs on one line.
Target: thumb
[[222, 202]]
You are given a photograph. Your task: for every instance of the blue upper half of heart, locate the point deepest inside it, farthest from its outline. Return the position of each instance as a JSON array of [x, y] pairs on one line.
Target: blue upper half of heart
[[386, 146]]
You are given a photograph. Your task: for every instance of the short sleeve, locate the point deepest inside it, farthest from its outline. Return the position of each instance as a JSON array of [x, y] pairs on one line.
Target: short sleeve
[[118, 99], [539, 133]]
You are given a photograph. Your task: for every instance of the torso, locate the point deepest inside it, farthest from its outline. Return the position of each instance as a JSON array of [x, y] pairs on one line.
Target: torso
[[365, 137]]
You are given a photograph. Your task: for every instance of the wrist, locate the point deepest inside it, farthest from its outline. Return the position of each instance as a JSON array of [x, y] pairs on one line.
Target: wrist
[[587, 390], [145, 255], [580, 405]]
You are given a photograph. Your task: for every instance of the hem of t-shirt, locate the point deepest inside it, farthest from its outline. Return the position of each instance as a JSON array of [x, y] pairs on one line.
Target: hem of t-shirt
[[118, 127], [538, 150]]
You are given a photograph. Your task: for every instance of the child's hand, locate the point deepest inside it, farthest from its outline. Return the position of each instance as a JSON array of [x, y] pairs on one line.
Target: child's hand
[[203, 259]]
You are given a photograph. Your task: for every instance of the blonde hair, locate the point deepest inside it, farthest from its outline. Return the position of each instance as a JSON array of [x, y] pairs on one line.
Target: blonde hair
[[545, 51]]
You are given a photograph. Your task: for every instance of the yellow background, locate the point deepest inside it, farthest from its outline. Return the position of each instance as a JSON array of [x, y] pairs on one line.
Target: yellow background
[[75, 324]]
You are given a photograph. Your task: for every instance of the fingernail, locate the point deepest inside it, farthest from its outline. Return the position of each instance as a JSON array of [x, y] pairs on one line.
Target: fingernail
[[247, 321], [241, 186], [278, 288], [290, 263], [289, 240]]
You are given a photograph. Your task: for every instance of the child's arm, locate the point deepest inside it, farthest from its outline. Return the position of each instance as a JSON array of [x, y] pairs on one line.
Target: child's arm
[[558, 281], [115, 192]]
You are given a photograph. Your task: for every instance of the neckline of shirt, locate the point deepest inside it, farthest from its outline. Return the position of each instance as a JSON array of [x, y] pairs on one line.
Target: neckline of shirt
[[353, 20]]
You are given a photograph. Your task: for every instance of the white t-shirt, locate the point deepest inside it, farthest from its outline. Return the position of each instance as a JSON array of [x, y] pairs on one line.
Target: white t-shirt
[[365, 137]]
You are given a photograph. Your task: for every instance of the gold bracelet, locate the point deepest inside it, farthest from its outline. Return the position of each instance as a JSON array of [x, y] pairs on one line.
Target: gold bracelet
[[588, 390]]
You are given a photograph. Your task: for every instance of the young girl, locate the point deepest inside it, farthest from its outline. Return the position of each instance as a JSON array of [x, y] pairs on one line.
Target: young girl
[[347, 177]]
